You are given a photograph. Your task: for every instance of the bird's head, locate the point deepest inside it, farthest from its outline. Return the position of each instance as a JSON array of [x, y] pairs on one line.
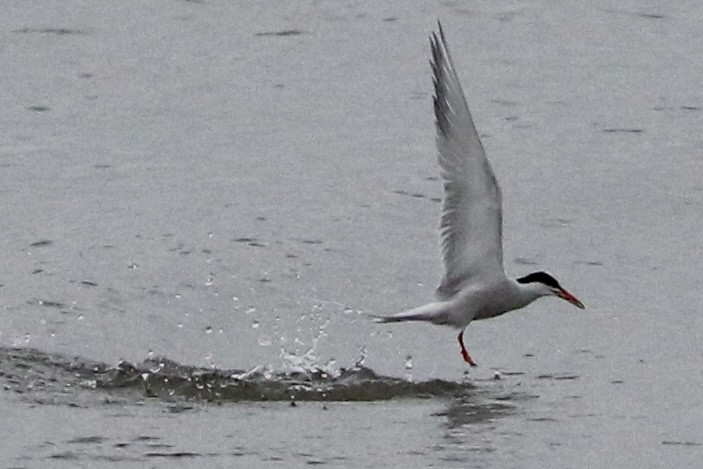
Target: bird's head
[[543, 284]]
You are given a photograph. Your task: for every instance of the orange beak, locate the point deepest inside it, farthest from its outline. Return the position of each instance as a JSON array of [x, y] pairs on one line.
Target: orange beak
[[565, 295]]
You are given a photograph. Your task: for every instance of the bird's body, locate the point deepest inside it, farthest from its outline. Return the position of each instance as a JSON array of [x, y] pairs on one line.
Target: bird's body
[[479, 300], [474, 285]]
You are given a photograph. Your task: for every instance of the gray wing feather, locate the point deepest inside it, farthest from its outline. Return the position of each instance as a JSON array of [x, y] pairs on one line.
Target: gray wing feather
[[471, 222]]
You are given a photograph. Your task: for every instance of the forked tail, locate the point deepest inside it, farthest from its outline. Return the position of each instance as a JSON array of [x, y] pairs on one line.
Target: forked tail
[[436, 313]]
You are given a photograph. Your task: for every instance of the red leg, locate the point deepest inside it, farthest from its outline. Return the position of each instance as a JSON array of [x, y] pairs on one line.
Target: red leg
[[464, 353]]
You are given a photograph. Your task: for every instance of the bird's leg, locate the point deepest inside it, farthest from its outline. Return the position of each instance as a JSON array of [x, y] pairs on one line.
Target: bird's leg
[[464, 353]]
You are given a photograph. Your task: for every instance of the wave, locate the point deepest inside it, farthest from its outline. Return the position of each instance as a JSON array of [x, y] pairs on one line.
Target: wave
[[37, 373]]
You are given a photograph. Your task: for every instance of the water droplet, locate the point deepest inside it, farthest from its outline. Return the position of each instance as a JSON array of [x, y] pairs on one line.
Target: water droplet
[[180, 325], [178, 296], [80, 317], [235, 299], [251, 310], [364, 353], [255, 325], [150, 353], [408, 368], [208, 330]]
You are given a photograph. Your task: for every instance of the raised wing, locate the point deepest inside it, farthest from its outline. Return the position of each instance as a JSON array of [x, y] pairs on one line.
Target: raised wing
[[471, 223]]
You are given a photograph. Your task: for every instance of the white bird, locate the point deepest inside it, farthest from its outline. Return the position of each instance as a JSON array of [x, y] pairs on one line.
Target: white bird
[[474, 285]]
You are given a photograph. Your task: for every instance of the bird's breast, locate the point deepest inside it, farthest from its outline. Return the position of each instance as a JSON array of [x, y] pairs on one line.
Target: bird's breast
[[487, 301]]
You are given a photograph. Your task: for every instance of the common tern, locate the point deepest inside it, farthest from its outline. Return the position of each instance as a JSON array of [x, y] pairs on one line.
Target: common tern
[[474, 285]]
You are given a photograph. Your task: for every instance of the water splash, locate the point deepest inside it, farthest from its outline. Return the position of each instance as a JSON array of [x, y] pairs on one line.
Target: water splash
[[309, 362]]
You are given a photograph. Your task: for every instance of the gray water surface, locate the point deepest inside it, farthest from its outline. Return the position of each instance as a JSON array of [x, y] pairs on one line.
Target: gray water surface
[[204, 201]]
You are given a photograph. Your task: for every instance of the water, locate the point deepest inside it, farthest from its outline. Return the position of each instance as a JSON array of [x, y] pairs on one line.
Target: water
[[202, 201]]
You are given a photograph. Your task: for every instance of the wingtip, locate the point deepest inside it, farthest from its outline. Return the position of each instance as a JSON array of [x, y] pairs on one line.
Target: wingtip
[[441, 31], [438, 45], [438, 33]]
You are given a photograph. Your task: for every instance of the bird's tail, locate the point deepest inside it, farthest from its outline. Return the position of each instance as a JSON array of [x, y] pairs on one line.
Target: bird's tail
[[436, 313]]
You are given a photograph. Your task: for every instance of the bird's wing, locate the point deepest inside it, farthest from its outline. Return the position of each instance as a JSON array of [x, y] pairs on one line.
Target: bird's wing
[[471, 223]]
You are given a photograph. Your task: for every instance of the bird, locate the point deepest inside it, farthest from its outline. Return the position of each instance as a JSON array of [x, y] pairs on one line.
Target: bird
[[474, 285]]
